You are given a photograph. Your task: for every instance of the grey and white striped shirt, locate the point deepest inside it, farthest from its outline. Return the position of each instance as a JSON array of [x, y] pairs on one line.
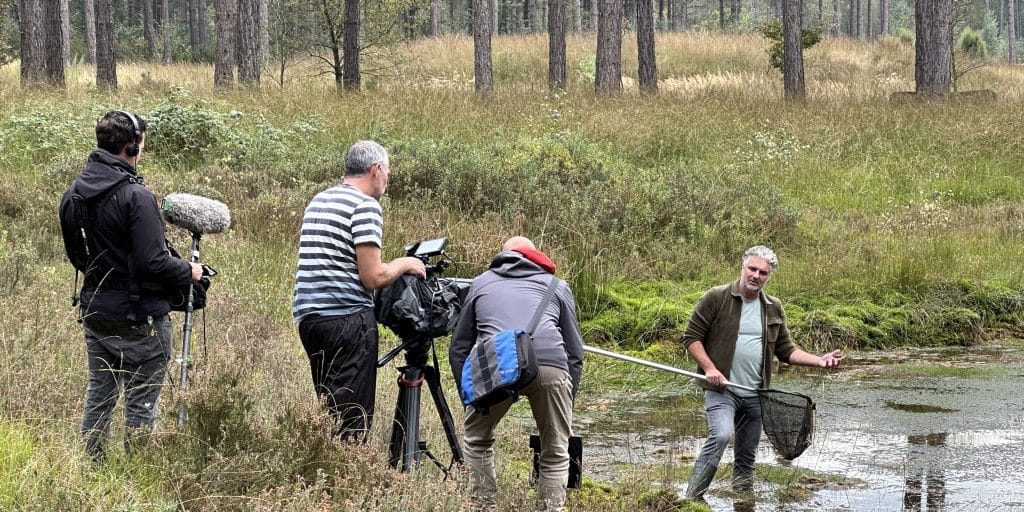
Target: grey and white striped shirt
[[327, 282]]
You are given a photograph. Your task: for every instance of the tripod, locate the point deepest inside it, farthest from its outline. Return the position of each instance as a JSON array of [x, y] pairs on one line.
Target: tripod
[[186, 332], [405, 447]]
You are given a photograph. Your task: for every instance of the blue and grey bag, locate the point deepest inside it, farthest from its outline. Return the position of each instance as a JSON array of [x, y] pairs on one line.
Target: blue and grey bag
[[500, 366]]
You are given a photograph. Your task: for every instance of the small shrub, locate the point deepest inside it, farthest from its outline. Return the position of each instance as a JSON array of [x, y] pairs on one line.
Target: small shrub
[[905, 35], [181, 132], [773, 31], [972, 42]]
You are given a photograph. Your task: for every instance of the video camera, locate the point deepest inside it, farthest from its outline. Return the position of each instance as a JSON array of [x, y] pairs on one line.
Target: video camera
[[418, 310]]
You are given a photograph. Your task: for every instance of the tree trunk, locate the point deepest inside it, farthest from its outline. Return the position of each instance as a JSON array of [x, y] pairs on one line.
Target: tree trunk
[[33, 49], [721, 15], [647, 69], [334, 36], [883, 17], [837, 22], [249, 35], [556, 44], [493, 10], [202, 36], [264, 30], [148, 34], [821, 12], [531, 15], [577, 16], [53, 34], [106, 59], [933, 50], [166, 27], [224, 64], [793, 50], [192, 7], [65, 31], [90, 31], [856, 19], [1011, 32], [608, 76], [353, 75], [435, 18], [734, 13], [867, 22], [482, 71]]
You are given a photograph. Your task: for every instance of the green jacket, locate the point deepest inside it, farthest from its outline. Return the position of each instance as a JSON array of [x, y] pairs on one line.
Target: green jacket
[[715, 322]]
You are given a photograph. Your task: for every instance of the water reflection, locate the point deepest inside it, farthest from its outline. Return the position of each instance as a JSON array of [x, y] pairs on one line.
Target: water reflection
[[924, 487]]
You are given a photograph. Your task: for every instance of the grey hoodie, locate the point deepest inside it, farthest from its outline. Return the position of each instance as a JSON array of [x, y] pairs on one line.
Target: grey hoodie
[[505, 297]]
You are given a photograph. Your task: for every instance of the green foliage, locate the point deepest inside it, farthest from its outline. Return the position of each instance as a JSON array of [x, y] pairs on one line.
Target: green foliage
[[638, 314], [16, 448], [184, 132], [972, 42], [995, 40], [773, 31], [31, 138], [586, 70], [905, 35]]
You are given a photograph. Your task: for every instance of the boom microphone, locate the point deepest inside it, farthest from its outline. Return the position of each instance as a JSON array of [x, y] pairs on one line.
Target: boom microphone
[[197, 214]]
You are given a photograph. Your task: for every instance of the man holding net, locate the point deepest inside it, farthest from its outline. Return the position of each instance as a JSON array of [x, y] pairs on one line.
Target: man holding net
[[734, 331]]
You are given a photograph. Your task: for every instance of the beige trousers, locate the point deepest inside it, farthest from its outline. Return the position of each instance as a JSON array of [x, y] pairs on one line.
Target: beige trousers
[[550, 397]]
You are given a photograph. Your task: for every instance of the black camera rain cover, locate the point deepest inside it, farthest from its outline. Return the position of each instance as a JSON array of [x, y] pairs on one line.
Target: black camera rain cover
[[414, 307]]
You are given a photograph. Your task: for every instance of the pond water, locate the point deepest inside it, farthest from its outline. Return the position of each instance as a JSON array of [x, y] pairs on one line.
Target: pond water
[[923, 430]]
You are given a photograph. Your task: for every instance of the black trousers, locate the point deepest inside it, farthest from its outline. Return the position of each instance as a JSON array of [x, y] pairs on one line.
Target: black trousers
[[342, 353]]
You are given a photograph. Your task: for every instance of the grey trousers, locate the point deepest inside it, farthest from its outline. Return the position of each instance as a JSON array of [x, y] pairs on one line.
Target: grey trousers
[[727, 413], [124, 357], [550, 397]]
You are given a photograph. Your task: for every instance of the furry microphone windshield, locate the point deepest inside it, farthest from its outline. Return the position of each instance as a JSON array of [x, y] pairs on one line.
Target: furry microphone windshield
[[197, 214]]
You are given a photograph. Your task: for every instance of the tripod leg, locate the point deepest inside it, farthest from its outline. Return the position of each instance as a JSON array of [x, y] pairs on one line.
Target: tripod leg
[[395, 446], [404, 445], [444, 412], [411, 453]]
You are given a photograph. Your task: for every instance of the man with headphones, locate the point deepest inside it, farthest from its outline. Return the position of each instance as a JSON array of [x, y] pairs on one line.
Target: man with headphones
[[114, 235]]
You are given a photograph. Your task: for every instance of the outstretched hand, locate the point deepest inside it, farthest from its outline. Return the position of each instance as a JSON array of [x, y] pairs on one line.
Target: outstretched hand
[[832, 359]]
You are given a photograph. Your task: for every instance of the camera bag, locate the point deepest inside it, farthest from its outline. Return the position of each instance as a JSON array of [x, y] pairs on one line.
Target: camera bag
[[500, 366]]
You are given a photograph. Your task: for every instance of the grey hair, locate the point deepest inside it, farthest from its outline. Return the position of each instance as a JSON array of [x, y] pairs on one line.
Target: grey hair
[[362, 155], [760, 251]]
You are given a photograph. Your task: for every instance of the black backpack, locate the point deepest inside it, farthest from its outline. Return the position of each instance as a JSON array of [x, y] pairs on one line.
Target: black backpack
[[84, 247]]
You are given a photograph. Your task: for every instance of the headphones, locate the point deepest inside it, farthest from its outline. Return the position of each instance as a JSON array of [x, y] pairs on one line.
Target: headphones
[[132, 149]]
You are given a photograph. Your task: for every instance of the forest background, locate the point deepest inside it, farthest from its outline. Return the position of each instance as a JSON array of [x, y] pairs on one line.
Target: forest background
[[897, 224]]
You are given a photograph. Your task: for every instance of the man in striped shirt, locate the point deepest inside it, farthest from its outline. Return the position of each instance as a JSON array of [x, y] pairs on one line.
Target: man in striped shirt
[[339, 264]]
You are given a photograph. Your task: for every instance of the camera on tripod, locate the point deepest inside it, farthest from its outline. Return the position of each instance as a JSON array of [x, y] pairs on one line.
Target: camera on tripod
[[417, 311]]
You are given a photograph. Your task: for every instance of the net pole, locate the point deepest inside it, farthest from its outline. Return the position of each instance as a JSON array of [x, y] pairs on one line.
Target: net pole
[[658, 366]]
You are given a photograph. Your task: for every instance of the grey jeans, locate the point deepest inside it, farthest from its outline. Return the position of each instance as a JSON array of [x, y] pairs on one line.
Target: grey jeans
[[550, 396], [125, 357], [727, 413]]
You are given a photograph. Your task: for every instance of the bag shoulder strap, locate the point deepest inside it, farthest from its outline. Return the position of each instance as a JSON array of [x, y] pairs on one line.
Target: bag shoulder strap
[[92, 210], [552, 286]]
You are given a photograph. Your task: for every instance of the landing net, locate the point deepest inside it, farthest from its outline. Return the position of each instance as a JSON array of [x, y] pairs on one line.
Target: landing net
[[788, 420]]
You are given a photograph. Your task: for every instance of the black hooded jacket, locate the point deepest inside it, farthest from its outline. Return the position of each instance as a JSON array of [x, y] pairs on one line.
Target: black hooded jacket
[[127, 225]]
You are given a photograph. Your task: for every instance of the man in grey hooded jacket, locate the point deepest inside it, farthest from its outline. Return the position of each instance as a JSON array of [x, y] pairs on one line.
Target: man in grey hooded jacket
[[505, 297]]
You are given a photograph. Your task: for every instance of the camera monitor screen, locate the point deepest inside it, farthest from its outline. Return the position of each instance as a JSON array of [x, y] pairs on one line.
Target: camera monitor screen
[[432, 247]]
